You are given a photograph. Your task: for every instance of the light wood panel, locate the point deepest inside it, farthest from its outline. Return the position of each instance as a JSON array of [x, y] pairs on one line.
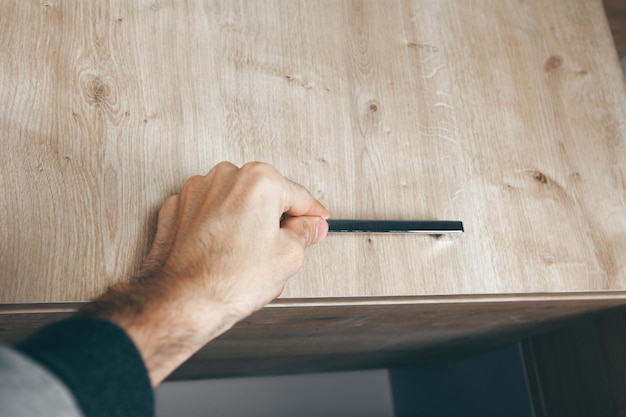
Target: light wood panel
[[507, 115]]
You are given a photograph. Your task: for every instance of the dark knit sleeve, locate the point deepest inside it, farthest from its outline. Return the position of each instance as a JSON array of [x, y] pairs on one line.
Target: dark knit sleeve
[[98, 362]]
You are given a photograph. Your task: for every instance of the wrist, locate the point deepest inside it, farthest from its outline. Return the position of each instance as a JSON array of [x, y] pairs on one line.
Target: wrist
[[167, 328]]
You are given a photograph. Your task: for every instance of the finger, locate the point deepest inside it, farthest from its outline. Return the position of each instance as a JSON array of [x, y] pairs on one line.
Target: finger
[[307, 230], [201, 190], [167, 217], [294, 199], [219, 178], [218, 181], [223, 168], [162, 240], [296, 234], [300, 202]]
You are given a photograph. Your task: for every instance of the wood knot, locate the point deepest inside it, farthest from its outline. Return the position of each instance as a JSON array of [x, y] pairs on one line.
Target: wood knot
[[373, 107], [540, 177], [98, 92], [552, 63]]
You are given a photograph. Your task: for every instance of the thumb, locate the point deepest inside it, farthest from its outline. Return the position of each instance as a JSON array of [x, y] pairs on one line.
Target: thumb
[[308, 229]]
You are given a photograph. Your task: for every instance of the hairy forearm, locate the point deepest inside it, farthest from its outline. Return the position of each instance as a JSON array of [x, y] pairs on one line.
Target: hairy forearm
[[167, 328], [224, 248]]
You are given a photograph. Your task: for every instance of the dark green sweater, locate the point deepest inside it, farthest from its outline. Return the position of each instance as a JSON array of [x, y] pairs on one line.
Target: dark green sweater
[[98, 363]]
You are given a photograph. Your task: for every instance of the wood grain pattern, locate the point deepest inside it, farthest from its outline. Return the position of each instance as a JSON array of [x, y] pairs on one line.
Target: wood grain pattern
[[508, 115]]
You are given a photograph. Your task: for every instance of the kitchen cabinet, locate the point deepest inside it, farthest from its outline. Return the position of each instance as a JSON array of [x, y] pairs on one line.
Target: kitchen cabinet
[[507, 115]]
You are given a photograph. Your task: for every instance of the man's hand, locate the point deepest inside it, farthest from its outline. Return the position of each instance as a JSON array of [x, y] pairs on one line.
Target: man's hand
[[235, 235], [224, 248]]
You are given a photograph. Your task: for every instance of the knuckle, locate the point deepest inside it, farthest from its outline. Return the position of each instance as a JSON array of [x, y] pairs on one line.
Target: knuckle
[[192, 187], [260, 175], [171, 199], [225, 166], [170, 202], [260, 169], [193, 181]]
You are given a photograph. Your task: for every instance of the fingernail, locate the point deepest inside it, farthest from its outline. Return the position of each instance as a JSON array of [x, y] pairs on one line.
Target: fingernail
[[321, 230]]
